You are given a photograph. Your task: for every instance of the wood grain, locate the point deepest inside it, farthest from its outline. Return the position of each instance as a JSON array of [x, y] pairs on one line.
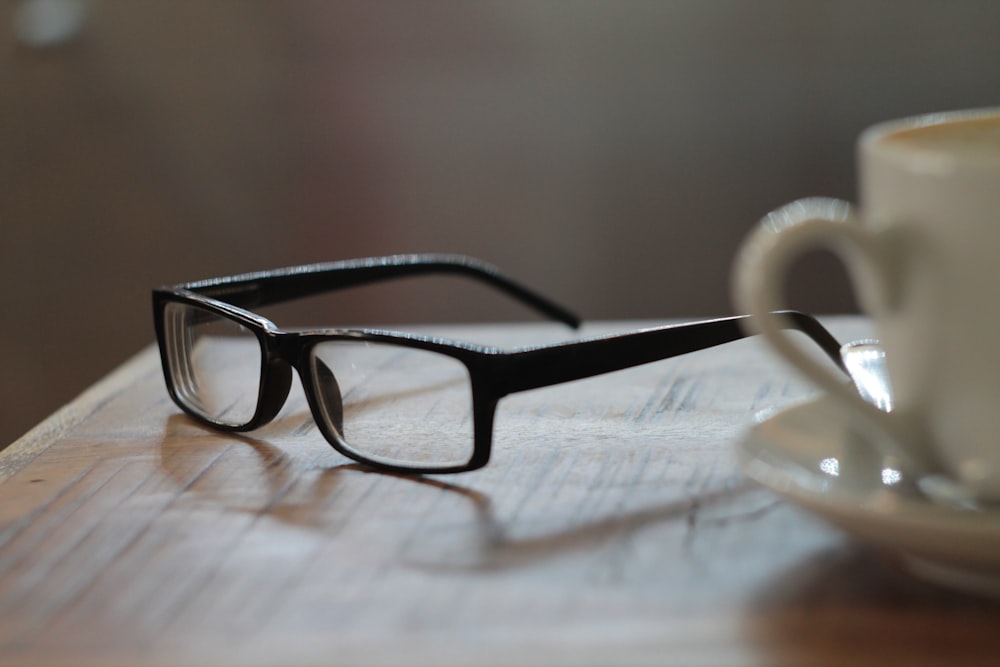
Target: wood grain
[[611, 527]]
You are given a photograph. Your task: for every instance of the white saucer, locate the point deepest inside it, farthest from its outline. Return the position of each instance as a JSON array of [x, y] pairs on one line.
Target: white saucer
[[810, 455]]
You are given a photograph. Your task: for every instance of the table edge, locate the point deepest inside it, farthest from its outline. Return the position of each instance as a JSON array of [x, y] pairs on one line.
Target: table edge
[[20, 452]]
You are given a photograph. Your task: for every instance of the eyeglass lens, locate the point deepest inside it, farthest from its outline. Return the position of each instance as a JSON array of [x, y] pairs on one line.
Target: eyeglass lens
[[215, 363], [395, 405]]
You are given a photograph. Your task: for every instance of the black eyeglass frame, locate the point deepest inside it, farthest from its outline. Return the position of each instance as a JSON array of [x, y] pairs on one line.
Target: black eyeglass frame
[[493, 372]]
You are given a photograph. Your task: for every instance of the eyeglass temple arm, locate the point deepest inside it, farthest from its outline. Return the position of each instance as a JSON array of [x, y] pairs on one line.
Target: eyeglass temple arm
[[251, 290], [554, 364]]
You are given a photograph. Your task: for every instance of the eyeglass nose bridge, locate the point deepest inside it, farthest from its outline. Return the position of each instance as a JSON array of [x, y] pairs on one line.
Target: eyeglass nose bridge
[[282, 356], [321, 388], [276, 379]]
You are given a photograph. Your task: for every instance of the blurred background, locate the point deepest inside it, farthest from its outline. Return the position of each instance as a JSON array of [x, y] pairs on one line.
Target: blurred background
[[609, 153]]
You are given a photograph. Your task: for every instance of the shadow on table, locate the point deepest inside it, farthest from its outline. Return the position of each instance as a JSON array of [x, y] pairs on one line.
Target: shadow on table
[[483, 543]]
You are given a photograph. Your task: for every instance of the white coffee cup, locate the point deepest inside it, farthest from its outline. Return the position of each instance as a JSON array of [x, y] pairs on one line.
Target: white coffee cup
[[923, 254]]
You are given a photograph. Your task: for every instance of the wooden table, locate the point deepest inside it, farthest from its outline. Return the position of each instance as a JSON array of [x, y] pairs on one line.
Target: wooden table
[[612, 527]]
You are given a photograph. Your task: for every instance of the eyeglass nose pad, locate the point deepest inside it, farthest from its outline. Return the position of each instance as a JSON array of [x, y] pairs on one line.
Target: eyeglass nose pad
[[329, 391], [279, 381]]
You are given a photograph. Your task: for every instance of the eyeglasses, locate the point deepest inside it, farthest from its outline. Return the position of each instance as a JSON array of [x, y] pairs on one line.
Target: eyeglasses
[[231, 369]]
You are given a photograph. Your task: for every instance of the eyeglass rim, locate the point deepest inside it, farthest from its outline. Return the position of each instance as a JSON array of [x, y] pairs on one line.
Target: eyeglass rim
[[252, 322], [270, 338]]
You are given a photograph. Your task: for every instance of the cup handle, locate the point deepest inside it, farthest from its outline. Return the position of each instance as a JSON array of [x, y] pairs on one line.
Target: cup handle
[[760, 274]]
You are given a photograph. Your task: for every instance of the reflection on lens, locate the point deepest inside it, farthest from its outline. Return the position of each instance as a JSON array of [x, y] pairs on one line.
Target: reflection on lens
[[215, 363], [395, 405]]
